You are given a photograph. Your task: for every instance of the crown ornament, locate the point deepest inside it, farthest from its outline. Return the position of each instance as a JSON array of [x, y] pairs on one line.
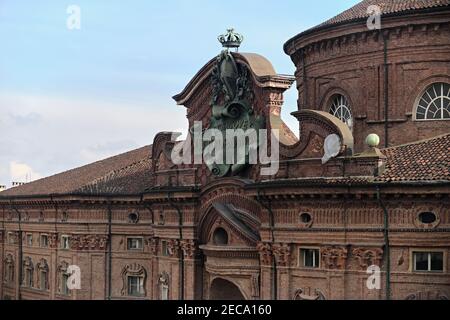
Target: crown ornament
[[231, 39]]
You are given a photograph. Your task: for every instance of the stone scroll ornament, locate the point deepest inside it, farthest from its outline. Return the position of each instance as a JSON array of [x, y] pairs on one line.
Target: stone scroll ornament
[[232, 109]]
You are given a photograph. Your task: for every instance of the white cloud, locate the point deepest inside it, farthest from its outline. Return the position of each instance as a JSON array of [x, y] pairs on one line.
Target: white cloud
[[21, 172], [54, 134]]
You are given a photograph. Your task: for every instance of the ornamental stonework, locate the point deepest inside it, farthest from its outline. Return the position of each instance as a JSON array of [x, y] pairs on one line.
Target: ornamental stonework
[[173, 248], [189, 249], [282, 253], [265, 253], [368, 257], [88, 242], [334, 257]]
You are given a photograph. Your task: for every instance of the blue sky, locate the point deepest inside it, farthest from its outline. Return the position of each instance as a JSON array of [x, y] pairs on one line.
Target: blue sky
[[70, 97]]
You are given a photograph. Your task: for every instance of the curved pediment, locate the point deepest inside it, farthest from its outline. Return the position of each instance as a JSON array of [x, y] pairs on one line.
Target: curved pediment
[[263, 73]]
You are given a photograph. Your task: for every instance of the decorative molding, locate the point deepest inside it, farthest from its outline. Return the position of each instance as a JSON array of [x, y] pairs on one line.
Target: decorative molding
[[163, 278], [334, 257], [53, 240], [308, 294], [8, 272], [42, 265], [255, 282], [88, 242], [427, 295], [282, 253], [154, 243], [28, 265], [265, 253], [173, 248], [368, 257], [189, 248], [134, 270]]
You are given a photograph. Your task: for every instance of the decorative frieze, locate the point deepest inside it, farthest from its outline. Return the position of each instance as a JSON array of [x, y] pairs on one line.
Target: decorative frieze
[[173, 248], [282, 253], [334, 257], [153, 244], [368, 257], [189, 248], [88, 242], [308, 294], [265, 253]]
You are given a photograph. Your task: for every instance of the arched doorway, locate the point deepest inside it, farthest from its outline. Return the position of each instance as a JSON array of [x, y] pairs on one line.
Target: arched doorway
[[225, 290]]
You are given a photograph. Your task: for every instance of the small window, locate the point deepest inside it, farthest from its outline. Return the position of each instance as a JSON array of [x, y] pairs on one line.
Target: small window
[[28, 281], [64, 287], [43, 285], [44, 241], [427, 217], [310, 258], [135, 243], [220, 237], [29, 240], [11, 238], [135, 286], [164, 292], [340, 108], [164, 249], [133, 217], [305, 218], [428, 261], [434, 103], [65, 242]]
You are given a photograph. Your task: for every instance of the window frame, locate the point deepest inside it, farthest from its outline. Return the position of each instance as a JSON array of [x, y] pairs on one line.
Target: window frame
[[420, 97], [65, 291], [164, 292], [165, 248], [348, 107], [63, 239], [430, 251], [302, 258], [141, 240], [139, 286], [40, 240], [11, 238], [28, 237], [28, 278], [43, 279]]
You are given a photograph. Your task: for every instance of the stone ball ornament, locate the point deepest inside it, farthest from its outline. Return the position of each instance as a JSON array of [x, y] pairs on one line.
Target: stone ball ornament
[[373, 140]]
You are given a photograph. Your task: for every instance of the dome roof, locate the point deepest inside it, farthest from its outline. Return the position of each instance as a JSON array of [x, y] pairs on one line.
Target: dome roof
[[388, 7], [359, 11]]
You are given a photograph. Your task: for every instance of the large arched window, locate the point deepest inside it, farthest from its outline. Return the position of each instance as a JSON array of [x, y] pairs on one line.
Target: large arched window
[[434, 104], [340, 108]]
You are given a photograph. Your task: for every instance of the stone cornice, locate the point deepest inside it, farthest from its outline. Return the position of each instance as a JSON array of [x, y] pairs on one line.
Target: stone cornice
[[358, 27]]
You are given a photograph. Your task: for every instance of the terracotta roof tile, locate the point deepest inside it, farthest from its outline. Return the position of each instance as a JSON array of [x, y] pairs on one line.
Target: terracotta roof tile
[[427, 160], [126, 173]]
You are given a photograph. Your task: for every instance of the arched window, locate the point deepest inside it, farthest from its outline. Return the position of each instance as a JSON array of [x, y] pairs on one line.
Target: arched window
[[340, 108], [220, 237], [28, 272], [434, 104], [42, 274], [134, 277], [163, 281], [63, 278]]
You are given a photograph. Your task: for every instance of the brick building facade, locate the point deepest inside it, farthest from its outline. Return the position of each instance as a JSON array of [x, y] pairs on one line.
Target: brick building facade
[[139, 226]]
